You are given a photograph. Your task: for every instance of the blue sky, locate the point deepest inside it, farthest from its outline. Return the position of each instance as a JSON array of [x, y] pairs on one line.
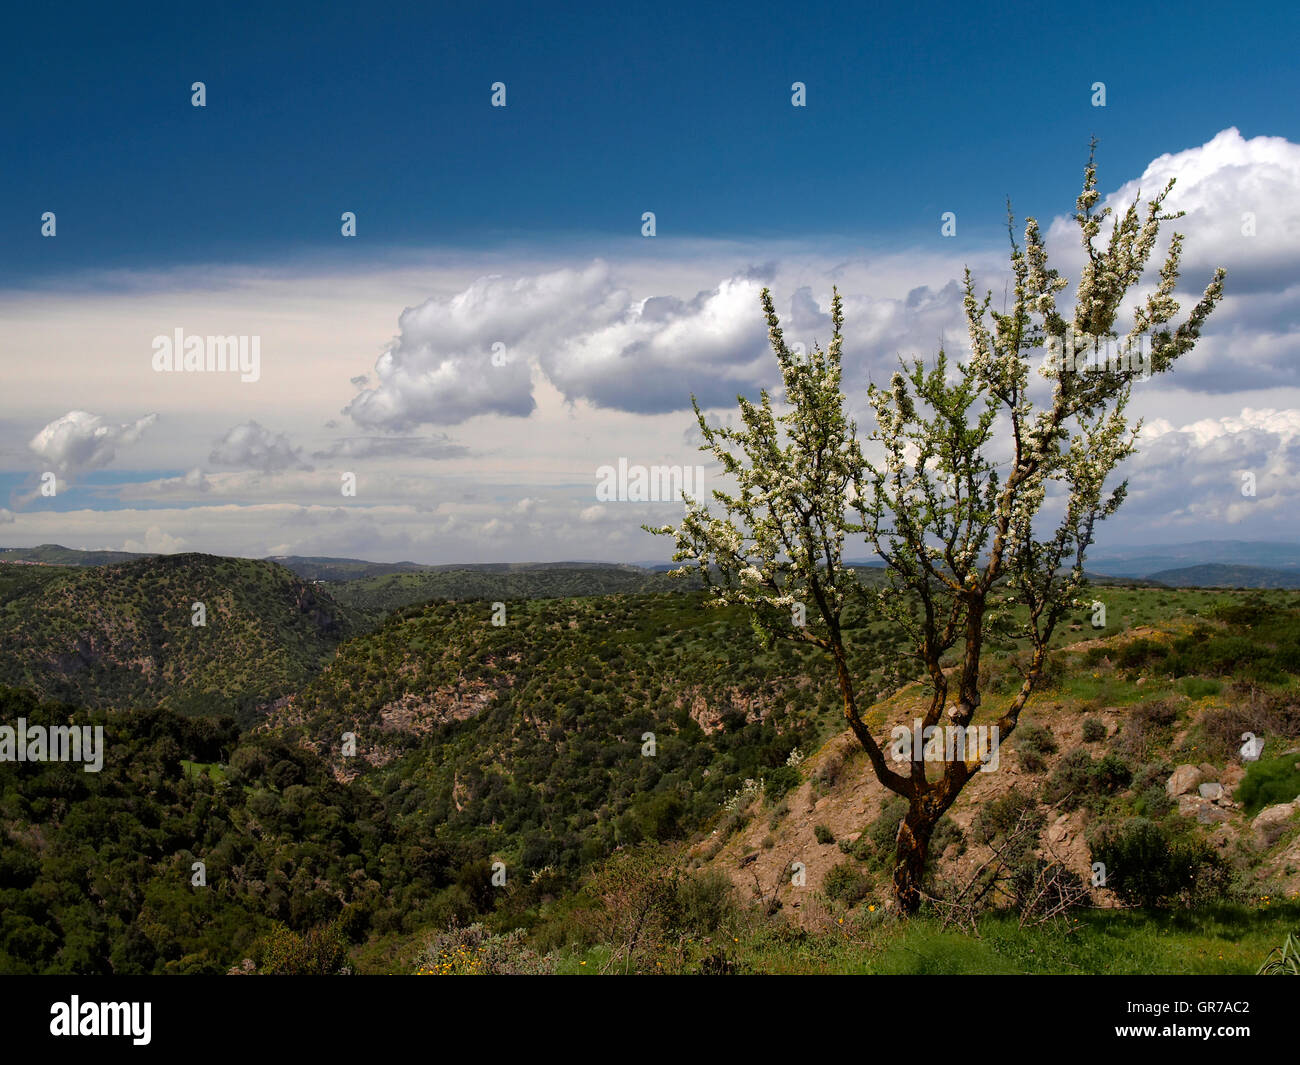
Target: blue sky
[[499, 328], [683, 109]]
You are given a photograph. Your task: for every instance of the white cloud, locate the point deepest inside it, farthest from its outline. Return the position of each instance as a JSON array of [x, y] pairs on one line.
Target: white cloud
[[444, 367], [81, 441], [1191, 477], [1241, 200], [250, 446], [156, 542]]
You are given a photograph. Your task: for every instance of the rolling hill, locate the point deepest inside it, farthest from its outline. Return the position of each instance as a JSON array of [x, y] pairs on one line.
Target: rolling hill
[[122, 635], [1218, 575]]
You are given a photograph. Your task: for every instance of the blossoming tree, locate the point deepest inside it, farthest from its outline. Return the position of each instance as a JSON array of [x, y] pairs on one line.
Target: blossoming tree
[[981, 501]]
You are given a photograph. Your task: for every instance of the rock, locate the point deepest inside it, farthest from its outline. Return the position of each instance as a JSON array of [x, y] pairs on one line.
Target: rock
[[1183, 779], [1271, 822], [1211, 791], [1205, 812], [1231, 776], [1208, 772]]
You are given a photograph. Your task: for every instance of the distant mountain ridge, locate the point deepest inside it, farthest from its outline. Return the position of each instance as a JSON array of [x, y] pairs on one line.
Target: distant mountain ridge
[[1218, 575], [1150, 561], [1253, 564]]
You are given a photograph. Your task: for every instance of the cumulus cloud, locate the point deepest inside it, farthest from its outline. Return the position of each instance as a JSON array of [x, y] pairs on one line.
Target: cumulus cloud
[[1241, 199], [1242, 204], [653, 354], [646, 352], [81, 441], [1237, 470], [250, 446], [468, 354], [157, 541], [593, 340]]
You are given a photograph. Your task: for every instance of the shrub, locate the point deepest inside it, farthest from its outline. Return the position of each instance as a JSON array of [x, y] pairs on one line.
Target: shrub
[[474, 951], [780, 781], [320, 951], [1269, 781], [1146, 728], [946, 834], [829, 769], [1152, 774], [1153, 802], [1034, 742], [1111, 774], [847, 883], [824, 834], [1141, 652], [1148, 865], [1200, 687], [658, 816], [639, 905], [862, 848], [1094, 729], [1001, 816], [1071, 782], [1272, 714], [704, 901], [718, 964], [1033, 885], [883, 831]]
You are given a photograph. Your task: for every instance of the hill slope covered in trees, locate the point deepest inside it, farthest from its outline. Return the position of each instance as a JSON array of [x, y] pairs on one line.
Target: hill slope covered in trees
[[123, 635]]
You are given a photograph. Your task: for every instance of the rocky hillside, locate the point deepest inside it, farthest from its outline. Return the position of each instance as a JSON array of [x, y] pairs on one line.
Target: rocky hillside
[[1139, 733]]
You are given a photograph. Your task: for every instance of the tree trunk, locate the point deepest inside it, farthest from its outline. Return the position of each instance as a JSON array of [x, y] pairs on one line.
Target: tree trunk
[[909, 861]]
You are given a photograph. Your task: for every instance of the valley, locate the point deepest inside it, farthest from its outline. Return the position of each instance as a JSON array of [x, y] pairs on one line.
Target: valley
[[496, 780]]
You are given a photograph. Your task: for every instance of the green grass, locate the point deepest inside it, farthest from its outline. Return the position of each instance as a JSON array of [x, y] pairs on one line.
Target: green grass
[[1226, 940], [214, 771], [1220, 940]]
